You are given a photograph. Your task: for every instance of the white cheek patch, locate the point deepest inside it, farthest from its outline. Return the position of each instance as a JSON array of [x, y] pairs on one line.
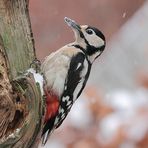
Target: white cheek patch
[[94, 40]]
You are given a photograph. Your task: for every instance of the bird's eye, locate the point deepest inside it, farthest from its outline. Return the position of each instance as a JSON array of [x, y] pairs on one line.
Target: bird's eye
[[89, 31]]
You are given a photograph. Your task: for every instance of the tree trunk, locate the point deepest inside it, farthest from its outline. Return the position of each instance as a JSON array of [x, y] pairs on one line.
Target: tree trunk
[[21, 105]]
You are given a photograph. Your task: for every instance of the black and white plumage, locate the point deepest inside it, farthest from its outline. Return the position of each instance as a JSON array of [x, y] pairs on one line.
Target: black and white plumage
[[66, 72]]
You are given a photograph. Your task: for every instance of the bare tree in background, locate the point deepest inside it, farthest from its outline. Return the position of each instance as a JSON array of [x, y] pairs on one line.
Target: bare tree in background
[[21, 105]]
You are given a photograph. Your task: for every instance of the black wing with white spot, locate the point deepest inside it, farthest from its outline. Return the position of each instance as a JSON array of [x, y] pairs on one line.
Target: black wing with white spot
[[76, 79]]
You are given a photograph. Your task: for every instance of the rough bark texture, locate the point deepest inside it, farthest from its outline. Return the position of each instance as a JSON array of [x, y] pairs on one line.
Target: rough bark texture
[[16, 34], [21, 105]]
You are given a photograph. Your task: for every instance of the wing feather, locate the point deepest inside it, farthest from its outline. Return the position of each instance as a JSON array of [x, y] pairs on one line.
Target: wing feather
[[76, 79]]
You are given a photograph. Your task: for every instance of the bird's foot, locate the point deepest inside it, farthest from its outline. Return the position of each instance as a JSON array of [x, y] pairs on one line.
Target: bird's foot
[[36, 64]]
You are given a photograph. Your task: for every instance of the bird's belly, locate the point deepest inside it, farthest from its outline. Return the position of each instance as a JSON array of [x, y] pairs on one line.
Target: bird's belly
[[56, 80], [55, 73]]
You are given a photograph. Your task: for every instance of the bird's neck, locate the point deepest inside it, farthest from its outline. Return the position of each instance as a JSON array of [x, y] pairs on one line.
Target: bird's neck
[[80, 43]]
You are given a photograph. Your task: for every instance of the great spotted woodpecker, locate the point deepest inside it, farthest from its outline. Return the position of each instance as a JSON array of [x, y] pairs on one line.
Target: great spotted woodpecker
[[66, 72]]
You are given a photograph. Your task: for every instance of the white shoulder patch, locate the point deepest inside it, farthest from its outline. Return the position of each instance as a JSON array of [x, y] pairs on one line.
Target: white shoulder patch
[[79, 64], [80, 84]]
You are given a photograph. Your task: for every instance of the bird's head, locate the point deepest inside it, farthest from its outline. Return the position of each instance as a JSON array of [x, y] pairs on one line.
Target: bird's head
[[89, 38]]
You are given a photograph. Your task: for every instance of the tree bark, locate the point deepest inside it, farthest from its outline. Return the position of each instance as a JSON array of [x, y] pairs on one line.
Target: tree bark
[[21, 103]]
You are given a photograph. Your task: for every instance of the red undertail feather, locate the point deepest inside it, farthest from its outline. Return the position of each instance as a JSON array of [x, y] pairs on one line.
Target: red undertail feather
[[52, 105]]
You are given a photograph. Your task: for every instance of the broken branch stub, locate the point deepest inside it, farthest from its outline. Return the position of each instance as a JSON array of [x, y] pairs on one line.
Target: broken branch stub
[[21, 109]]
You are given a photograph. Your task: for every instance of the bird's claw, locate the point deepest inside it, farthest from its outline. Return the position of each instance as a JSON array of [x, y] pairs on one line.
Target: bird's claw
[[36, 64]]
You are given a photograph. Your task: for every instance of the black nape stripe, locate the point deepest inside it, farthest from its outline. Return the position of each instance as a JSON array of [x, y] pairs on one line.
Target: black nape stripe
[[84, 51], [81, 48], [90, 50]]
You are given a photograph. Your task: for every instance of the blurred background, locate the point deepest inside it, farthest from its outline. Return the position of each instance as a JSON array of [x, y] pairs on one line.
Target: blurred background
[[112, 112]]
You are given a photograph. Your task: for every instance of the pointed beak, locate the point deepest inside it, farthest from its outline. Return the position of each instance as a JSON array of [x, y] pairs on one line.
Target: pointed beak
[[72, 24]]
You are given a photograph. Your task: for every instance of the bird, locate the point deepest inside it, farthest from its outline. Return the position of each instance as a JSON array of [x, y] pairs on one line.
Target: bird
[[66, 72]]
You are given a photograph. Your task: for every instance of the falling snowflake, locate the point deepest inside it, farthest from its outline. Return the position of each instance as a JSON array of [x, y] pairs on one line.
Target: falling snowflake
[[124, 15]]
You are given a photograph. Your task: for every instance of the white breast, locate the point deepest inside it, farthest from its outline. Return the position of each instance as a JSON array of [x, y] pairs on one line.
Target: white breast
[[55, 71], [55, 68]]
